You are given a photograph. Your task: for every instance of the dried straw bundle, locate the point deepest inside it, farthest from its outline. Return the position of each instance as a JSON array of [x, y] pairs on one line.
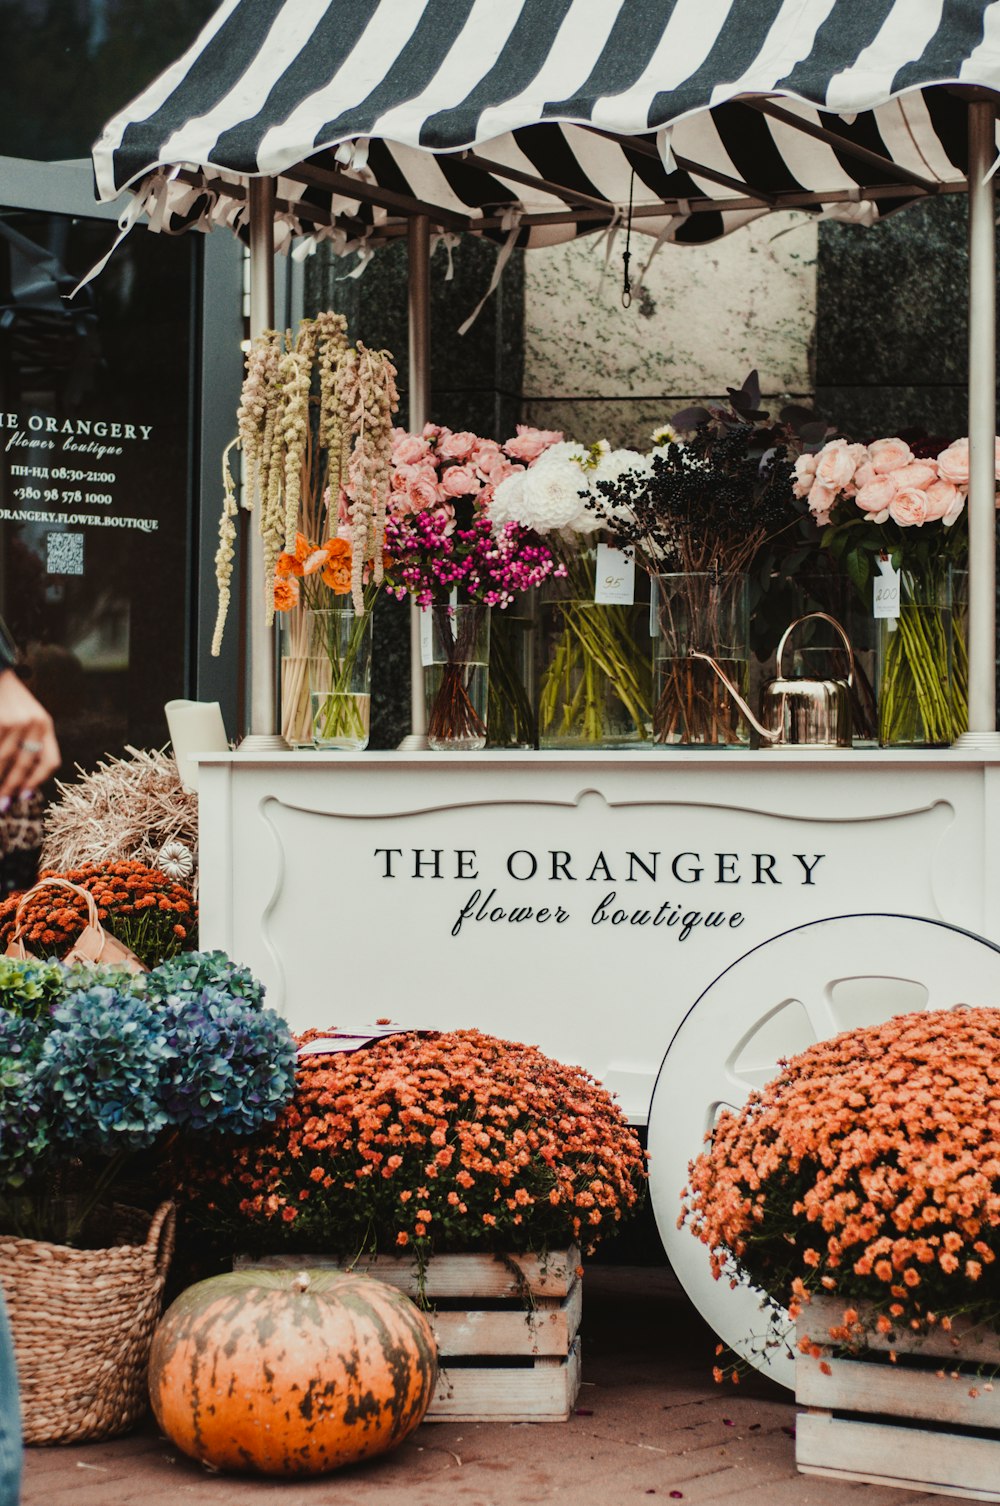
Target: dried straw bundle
[[126, 808]]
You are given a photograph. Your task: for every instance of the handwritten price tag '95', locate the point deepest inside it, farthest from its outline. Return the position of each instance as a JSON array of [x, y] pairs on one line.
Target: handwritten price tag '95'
[[885, 589], [615, 577]]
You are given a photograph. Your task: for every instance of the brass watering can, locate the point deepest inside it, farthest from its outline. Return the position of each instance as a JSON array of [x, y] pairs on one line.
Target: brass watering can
[[799, 713]]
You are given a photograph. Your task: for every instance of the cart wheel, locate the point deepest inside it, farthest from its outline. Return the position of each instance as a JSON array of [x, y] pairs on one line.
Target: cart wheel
[[802, 986]]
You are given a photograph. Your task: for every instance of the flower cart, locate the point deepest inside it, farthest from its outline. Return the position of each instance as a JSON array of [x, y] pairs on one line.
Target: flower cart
[[583, 899]]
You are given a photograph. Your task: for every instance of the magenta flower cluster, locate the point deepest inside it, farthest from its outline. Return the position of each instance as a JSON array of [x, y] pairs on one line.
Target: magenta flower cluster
[[439, 536], [431, 556]]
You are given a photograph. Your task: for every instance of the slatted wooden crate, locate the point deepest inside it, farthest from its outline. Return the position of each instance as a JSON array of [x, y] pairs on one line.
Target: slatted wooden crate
[[507, 1329], [864, 1418]]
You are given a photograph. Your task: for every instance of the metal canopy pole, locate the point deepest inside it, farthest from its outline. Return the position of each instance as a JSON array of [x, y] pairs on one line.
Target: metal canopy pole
[[264, 732], [982, 731], [419, 266]]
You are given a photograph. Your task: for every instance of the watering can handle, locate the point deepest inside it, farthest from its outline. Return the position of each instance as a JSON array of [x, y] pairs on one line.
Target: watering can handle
[[823, 617]]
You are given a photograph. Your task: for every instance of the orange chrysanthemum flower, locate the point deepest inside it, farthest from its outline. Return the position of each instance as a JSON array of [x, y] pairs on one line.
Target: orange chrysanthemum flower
[[883, 1138], [286, 566], [151, 913], [451, 1141]]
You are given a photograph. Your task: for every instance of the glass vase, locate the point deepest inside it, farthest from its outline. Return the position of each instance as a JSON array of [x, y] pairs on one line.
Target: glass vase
[[340, 669], [922, 674], [296, 707], [594, 680], [512, 719], [700, 613], [456, 655]]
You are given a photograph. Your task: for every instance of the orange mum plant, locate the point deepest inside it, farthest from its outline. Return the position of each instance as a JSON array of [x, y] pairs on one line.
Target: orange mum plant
[[425, 1142], [868, 1169], [151, 913]]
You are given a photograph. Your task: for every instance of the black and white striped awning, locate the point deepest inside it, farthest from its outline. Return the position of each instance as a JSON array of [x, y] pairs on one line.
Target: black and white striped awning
[[543, 117]]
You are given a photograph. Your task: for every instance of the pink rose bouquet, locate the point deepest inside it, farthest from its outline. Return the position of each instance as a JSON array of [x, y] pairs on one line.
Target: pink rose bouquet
[[886, 481], [440, 535], [886, 505], [444, 545]]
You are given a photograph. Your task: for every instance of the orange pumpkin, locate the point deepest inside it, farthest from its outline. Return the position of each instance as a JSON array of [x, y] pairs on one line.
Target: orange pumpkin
[[290, 1373]]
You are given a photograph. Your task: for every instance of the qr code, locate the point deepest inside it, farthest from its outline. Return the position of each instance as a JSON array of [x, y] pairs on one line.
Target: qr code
[[65, 553]]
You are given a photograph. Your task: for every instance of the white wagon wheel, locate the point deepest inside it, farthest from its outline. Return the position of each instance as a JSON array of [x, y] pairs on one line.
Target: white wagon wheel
[[799, 987]]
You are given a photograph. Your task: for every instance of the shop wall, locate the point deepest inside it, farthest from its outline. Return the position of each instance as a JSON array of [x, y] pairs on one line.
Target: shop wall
[[892, 321], [701, 319]]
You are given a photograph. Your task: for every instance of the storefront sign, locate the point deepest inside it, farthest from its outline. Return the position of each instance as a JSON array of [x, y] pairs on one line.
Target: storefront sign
[[584, 909]]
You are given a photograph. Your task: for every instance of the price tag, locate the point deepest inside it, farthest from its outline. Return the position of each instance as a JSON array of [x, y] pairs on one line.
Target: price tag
[[426, 637], [885, 589], [615, 577]]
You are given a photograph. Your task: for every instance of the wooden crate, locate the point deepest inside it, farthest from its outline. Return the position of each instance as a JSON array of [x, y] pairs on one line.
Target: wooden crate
[[507, 1329], [863, 1419]]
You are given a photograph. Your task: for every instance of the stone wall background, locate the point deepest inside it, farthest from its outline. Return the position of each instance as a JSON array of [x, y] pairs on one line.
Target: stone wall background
[[703, 318]]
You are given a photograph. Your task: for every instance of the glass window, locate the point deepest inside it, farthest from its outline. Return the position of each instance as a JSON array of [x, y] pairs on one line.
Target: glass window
[[95, 473]]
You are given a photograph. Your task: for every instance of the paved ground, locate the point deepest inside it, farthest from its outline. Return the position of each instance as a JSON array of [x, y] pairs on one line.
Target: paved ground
[[649, 1423]]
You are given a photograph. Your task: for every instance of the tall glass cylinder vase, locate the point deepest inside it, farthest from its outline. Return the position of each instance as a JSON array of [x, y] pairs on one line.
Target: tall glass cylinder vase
[[959, 651], [594, 680], [456, 654], [695, 614], [340, 668], [922, 680], [296, 706], [513, 722]]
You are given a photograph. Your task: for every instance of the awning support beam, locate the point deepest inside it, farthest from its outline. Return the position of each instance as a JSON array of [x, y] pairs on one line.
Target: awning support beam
[[264, 733], [419, 321], [982, 731], [884, 165], [648, 148], [369, 193]]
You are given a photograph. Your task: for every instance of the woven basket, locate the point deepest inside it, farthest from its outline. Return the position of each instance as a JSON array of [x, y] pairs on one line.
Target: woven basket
[[83, 1323]]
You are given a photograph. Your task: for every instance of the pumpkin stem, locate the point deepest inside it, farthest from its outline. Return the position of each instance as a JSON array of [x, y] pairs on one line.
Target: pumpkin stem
[[301, 1282]]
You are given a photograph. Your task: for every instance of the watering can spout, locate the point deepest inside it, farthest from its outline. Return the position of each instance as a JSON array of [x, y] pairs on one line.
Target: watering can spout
[[770, 735]]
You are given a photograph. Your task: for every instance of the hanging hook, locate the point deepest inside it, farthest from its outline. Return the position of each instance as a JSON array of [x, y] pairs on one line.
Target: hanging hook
[[627, 254]]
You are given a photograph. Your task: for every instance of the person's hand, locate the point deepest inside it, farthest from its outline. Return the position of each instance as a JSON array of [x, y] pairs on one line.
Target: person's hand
[[29, 752]]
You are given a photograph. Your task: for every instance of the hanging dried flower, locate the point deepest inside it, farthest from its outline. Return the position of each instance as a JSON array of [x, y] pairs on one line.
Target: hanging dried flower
[[370, 466], [301, 451]]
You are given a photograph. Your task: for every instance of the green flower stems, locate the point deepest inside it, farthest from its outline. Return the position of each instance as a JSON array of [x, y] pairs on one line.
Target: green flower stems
[[919, 701], [511, 722], [594, 647], [343, 713], [595, 653]]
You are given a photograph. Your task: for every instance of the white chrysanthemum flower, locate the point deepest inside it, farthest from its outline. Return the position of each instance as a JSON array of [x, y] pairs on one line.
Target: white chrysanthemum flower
[[617, 463], [567, 450], [664, 434], [507, 502], [555, 496], [612, 466]]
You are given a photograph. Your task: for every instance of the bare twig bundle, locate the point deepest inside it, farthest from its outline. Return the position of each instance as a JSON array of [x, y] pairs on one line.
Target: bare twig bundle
[[129, 807]]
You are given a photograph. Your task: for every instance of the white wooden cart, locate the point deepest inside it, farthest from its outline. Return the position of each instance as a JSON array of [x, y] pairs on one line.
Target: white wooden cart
[[602, 905]]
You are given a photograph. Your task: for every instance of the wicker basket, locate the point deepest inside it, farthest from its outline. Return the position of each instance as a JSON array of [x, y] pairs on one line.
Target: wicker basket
[[83, 1323]]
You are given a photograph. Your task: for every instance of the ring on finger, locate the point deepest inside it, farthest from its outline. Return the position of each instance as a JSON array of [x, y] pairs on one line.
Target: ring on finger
[[30, 746]]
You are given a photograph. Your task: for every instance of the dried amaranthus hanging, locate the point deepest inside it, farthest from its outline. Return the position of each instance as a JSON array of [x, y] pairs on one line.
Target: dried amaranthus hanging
[[311, 459]]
